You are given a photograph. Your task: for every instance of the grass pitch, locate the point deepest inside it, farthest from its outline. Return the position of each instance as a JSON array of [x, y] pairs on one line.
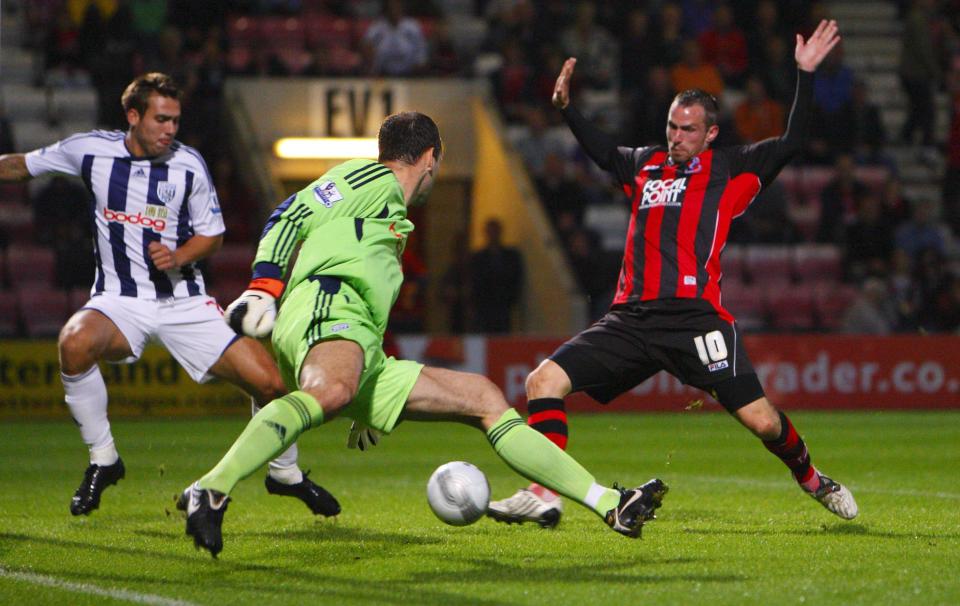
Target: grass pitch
[[734, 528]]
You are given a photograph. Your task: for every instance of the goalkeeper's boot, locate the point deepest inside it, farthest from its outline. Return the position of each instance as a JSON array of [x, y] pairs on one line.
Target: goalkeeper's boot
[[205, 509], [835, 497], [532, 504], [636, 507], [314, 496], [95, 480]]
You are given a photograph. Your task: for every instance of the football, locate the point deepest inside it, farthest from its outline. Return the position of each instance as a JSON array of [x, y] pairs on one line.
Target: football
[[458, 493]]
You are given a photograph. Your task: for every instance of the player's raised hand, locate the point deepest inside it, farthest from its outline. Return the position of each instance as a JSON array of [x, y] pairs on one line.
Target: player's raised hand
[[809, 54], [252, 314], [162, 256], [561, 90]]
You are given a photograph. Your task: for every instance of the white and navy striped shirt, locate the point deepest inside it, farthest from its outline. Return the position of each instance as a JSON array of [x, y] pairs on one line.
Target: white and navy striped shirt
[[166, 199]]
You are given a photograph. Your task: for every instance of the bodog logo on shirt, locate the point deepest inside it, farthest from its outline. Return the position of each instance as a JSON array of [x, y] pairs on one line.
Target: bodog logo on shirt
[[663, 192], [153, 217]]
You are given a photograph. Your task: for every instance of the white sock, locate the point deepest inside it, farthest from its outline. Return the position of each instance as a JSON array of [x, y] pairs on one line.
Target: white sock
[[86, 396], [284, 468]]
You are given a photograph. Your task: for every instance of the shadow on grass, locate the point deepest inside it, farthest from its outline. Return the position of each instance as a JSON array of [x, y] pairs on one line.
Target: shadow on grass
[[827, 529], [422, 582], [324, 531]]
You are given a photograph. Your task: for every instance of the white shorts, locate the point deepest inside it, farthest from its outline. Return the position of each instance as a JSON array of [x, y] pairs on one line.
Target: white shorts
[[192, 329]]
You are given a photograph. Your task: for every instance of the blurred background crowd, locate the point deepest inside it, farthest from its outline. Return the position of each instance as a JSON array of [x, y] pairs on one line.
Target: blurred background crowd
[[858, 235]]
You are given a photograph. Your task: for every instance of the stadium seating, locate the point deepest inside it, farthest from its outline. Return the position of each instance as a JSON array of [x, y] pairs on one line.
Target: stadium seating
[[30, 267], [43, 310], [790, 309], [769, 264], [831, 302], [746, 303], [817, 263], [9, 314]]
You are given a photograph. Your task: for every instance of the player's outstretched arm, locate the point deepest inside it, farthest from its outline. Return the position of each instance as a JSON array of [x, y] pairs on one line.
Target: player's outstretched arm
[[13, 167], [810, 53]]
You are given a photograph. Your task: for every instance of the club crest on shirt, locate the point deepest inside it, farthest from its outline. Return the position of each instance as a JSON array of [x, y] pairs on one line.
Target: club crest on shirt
[[694, 166], [166, 191], [327, 193]]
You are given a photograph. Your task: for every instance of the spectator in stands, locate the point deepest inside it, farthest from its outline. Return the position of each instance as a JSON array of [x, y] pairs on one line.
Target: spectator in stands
[[538, 142], [560, 192], [763, 26], [594, 47], [931, 279], [697, 16], [73, 247], [951, 177], [511, 82], [758, 117], [924, 232], [870, 313], [919, 71], [61, 200], [942, 313], [839, 200], [693, 72], [904, 293], [638, 51], [394, 45], [869, 240], [593, 270], [455, 286], [497, 276], [650, 105], [724, 45], [768, 221], [7, 144], [147, 19], [777, 70], [832, 89], [671, 38], [864, 133]]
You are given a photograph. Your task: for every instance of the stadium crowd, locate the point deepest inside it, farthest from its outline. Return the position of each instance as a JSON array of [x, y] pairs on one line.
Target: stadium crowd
[[861, 255]]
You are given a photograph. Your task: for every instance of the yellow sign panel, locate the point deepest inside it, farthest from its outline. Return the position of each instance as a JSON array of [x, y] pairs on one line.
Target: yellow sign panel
[[154, 385]]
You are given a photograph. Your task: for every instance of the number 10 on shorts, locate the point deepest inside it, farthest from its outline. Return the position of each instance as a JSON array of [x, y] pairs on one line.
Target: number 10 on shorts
[[711, 348]]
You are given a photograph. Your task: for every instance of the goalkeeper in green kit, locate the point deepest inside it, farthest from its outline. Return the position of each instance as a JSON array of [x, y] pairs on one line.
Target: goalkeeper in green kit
[[352, 226]]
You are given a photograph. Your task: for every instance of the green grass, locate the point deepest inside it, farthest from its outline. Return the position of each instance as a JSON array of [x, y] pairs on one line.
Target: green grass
[[733, 530]]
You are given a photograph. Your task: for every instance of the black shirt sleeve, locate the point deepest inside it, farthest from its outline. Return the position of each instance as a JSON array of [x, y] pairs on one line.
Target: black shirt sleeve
[[602, 148], [768, 157]]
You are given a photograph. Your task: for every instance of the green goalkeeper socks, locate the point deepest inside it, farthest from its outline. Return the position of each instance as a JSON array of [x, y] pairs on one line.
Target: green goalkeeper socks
[[535, 457], [268, 433]]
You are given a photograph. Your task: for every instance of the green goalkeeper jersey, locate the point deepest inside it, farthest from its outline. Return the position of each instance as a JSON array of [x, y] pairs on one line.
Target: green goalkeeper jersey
[[353, 224]]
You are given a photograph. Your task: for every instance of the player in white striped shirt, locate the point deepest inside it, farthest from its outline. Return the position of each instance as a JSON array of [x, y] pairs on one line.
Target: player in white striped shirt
[[155, 214]]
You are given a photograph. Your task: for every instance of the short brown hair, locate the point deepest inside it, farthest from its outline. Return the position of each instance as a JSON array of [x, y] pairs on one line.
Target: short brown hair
[[696, 96], [406, 135], [138, 92]]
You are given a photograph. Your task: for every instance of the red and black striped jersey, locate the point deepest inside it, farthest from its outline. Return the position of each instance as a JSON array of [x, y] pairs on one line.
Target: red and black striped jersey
[[681, 214]]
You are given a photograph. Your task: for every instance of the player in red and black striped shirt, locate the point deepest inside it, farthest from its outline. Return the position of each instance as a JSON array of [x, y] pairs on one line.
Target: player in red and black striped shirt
[[667, 313]]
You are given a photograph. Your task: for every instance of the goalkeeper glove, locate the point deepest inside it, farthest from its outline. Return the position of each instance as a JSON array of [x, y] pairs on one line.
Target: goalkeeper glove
[[362, 437], [254, 312]]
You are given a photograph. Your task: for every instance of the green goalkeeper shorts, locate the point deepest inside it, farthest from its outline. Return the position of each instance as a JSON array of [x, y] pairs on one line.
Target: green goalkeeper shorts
[[324, 308]]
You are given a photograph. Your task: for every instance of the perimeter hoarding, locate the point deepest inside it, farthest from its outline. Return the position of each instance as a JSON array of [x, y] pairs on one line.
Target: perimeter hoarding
[[155, 385], [798, 372]]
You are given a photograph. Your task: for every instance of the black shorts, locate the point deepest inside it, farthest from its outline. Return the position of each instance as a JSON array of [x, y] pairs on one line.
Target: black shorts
[[685, 337]]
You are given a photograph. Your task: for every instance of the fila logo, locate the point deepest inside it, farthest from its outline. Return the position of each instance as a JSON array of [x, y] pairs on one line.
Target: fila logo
[[113, 216], [663, 192]]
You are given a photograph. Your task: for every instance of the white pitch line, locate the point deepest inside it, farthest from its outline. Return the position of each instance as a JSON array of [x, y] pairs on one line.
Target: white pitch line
[[773, 484], [119, 594]]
